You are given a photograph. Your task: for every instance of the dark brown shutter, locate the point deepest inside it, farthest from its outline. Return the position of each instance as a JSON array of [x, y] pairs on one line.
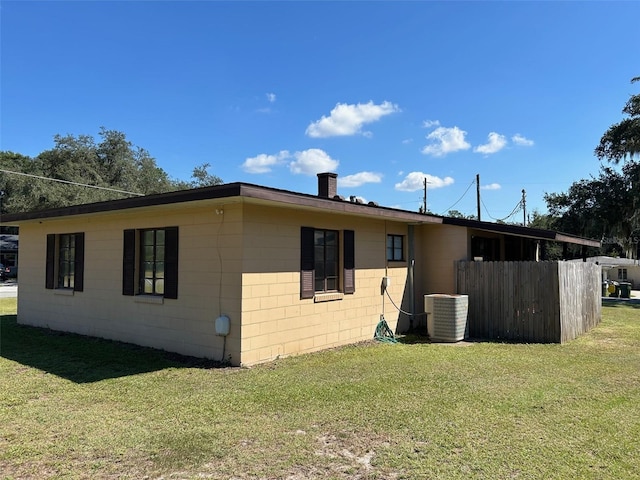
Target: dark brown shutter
[[307, 263], [171, 262], [349, 261], [78, 268], [129, 263], [50, 275]]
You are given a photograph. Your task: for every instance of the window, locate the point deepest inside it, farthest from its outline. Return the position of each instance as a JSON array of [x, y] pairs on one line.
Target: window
[[150, 262], [320, 262], [622, 274], [65, 261], [326, 260], [395, 248], [485, 248]]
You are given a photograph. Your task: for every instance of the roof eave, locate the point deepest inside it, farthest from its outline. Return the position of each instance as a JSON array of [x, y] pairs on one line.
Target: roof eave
[[227, 191], [522, 231]]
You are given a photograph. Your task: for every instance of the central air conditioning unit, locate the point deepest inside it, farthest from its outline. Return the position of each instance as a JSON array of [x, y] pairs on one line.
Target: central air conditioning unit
[[446, 316]]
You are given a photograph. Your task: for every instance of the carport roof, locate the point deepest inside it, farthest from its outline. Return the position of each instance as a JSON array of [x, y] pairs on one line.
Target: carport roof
[[521, 231]]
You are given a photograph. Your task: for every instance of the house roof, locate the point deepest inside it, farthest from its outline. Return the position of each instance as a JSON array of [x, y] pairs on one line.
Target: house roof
[[259, 194], [520, 231], [613, 262]]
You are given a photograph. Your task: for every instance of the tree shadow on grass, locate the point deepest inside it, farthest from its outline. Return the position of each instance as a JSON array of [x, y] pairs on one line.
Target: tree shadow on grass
[[83, 359]]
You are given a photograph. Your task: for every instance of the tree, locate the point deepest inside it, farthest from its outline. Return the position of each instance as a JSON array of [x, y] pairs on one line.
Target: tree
[[458, 214], [552, 250], [113, 166], [14, 187], [622, 140], [607, 207], [202, 178], [604, 207]]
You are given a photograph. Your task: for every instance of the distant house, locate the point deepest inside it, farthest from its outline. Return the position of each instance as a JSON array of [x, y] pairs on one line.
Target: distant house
[[289, 272], [618, 269]]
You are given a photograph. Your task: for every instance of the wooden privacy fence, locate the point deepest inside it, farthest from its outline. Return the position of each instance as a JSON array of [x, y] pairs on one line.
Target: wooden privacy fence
[[541, 302]]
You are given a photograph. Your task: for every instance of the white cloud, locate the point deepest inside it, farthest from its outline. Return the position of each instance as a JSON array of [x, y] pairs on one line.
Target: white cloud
[[431, 123], [491, 186], [415, 181], [263, 162], [407, 141], [348, 119], [358, 179], [496, 143], [446, 140], [522, 141], [312, 162], [271, 97]]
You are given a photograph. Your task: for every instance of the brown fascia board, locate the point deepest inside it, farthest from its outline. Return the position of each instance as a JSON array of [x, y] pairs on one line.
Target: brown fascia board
[[205, 193], [535, 233], [238, 190], [587, 242], [335, 205]]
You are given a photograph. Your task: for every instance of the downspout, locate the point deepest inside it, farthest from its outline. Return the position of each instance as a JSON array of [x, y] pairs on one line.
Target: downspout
[[410, 280]]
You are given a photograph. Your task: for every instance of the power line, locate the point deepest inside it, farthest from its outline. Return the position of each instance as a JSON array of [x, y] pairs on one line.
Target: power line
[[515, 210], [458, 201], [72, 183]]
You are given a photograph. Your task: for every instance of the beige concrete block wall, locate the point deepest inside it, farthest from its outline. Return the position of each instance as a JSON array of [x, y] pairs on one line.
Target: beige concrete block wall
[[275, 321], [438, 247], [237, 259], [210, 256]]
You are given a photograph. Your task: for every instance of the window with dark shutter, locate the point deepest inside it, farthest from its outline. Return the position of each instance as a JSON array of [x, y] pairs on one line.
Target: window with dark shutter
[[349, 262], [50, 272], [320, 276], [64, 266], [78, 284], [155, 271], [307, 263], [171, 263], [129, 263]]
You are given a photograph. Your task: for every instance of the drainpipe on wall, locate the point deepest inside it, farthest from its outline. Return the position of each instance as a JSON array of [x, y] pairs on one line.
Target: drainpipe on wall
[[411, 266]]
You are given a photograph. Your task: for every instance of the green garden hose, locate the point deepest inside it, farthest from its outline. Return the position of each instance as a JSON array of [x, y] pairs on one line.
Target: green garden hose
[[383, 332]]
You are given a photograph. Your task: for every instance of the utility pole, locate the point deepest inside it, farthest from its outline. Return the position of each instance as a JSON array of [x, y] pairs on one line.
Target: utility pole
[[423, 208], [424, 198], [478, 193], [524, 208]]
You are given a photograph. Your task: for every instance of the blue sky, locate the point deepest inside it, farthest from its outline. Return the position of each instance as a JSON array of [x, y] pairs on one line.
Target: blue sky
[[385, 94]]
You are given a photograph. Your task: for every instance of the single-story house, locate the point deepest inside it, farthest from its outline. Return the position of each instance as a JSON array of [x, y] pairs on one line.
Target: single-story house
[[618, 269], [284, 272]]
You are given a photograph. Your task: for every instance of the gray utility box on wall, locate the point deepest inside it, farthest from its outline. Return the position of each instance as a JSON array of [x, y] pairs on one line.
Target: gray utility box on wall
[[446, 316]]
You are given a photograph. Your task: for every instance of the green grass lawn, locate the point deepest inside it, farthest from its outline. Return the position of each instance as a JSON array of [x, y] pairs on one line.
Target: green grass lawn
[[74, 407]]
